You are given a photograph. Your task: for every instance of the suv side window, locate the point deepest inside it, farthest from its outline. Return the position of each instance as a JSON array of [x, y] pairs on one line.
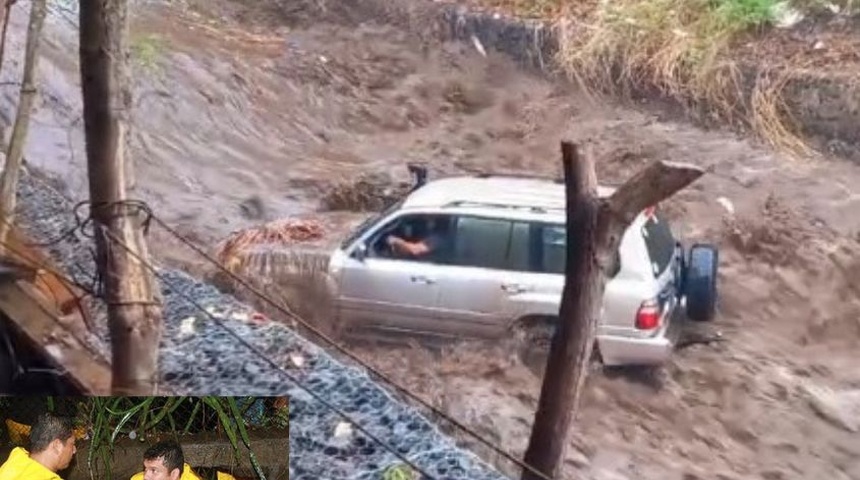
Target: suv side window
[[413, 228], [482, 242], [550, 250], [368, 223], [519, 252], [553, 249]]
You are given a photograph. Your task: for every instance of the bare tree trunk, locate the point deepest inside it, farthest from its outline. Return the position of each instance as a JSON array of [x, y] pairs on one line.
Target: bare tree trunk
[[15, 153], [134, 308], [599, 225], [122, 73], [6, 13]]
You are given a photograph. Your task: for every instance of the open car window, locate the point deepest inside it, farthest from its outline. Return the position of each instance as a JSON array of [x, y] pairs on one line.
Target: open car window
[[369, 223]]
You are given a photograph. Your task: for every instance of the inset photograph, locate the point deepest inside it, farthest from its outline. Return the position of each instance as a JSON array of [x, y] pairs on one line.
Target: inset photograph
[[144, 438]]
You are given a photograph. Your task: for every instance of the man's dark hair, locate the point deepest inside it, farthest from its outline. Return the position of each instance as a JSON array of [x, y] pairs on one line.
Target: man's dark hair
[[47, 428], [169, 451]]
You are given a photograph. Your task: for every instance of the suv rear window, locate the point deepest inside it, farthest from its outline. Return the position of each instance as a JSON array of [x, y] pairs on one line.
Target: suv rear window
[[659, 241]]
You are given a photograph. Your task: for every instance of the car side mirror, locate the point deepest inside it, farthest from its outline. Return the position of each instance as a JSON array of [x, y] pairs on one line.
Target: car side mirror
[[360, 252]]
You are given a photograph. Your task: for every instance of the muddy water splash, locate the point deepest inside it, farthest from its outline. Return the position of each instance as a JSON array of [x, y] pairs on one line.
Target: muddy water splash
[[228, 111]]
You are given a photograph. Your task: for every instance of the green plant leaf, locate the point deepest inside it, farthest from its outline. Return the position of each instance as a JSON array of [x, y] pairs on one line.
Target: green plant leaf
[[240, 422], [127, 416], [214, 404], [188, 424]]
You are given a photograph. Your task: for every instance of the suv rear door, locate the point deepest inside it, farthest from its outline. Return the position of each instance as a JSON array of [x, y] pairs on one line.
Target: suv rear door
[[484, 275]]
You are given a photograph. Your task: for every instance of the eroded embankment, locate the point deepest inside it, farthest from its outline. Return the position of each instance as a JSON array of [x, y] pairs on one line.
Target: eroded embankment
[[820, 106]]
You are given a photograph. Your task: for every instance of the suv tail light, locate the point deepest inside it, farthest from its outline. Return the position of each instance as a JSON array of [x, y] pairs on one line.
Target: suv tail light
[[648, 315]]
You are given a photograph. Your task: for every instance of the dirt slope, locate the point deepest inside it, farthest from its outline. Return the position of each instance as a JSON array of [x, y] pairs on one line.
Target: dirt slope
[[226, 115]]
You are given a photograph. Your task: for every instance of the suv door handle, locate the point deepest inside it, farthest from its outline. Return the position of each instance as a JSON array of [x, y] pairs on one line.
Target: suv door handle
[[422, 279], [514, 288]]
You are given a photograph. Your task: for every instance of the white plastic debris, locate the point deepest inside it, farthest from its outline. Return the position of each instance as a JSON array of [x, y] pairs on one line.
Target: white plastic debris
[[323, 59], [55, 351], [478, 46], [132, 434], [785, 16], [343, 430], [297, 360], [727, 204], [186, 327], [241, 316]]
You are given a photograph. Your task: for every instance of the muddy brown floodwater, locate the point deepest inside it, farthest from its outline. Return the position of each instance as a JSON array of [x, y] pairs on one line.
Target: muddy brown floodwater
[[228, 112]]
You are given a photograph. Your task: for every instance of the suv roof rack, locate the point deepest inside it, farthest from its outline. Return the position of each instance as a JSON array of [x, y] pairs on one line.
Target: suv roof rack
[[473, 203], [519, 175]]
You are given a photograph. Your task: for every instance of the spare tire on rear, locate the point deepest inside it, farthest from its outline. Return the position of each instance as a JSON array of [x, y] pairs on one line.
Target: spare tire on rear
[[700, 282]]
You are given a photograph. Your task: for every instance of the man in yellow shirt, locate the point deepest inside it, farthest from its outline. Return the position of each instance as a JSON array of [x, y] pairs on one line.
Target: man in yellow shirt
[[165, 461], [52, 446]]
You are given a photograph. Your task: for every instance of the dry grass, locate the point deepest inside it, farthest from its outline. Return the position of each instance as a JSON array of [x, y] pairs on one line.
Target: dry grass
[[678, 48]]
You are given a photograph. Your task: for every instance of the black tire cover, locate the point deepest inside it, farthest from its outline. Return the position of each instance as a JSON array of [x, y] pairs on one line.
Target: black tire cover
[[701, 282]]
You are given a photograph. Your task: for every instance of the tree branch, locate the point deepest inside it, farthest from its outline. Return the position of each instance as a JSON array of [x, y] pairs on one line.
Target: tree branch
[[649, 186]]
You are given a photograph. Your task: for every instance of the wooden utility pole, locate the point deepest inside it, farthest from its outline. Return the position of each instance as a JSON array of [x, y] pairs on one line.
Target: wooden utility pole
[[134, 306], [15, 152], [598, 225]]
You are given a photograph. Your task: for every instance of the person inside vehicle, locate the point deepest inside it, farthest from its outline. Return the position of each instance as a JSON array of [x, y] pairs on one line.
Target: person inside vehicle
[[435, 229], [165, 461], [52, 447]]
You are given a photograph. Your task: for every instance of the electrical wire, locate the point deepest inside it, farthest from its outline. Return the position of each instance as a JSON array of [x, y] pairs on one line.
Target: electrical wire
[[265, 358], [42, 266], [140, 206], [288, 312]]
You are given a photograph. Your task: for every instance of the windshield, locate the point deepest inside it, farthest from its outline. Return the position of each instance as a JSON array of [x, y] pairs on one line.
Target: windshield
[[368, 223]]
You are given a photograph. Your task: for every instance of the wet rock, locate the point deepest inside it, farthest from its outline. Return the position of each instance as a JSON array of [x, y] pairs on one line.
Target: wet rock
[[252, 208], [841, 409], [773, 475]]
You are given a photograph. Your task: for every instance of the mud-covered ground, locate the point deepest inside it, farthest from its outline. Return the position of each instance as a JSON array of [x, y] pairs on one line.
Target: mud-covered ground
[[237, 123]]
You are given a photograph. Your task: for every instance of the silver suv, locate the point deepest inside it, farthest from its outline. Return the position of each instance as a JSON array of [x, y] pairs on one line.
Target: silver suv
[[497, 263]]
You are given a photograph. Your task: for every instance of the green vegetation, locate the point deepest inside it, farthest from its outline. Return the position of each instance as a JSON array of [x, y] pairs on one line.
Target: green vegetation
[[105, 420], [146, 51], [399, 472], [140, 418], [679, 48]]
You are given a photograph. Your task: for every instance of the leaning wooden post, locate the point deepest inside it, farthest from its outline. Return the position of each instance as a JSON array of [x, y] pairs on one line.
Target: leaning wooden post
[[131, 293], [598, 225]]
